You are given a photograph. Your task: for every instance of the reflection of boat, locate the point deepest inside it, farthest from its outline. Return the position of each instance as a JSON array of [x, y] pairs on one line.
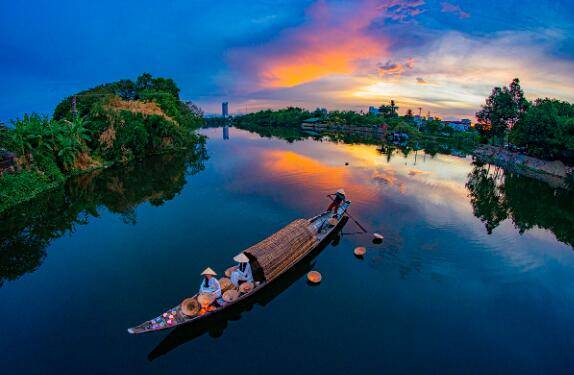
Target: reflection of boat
[[215, 325], [269, 259]]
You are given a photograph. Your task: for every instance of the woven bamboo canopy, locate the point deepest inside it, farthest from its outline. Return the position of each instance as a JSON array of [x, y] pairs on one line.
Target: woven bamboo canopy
[[283, 249]]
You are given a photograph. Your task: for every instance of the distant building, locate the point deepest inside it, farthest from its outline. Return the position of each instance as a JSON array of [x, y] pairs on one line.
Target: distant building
[[419, 121], [225, 109], [459, 125], [373, 110]]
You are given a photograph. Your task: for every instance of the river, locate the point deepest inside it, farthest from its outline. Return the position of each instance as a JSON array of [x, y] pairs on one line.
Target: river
[[474, 274]]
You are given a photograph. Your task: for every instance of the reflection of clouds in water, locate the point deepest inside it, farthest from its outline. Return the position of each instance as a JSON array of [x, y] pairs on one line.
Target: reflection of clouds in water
[[414, 172]]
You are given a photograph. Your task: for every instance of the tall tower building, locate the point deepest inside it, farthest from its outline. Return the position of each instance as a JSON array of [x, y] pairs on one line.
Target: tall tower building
[[225, 109]]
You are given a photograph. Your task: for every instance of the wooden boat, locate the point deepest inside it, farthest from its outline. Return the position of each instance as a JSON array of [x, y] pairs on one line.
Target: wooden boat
[[269, 259]]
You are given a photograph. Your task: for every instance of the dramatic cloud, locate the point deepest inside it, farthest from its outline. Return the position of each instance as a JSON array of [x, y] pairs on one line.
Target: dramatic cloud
[[454, 8], [334, 39], [396, 69]]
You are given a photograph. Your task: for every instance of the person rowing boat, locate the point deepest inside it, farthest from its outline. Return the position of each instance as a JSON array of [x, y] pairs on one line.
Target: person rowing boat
[[337, 199]]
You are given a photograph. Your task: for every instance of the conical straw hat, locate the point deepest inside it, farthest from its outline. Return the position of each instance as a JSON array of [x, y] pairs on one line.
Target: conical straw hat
[[225, 284], [246, 287], [241, 258], [190, 307], [209, 271], [230, 295], [341, 191], [229, 271], [205, 299]]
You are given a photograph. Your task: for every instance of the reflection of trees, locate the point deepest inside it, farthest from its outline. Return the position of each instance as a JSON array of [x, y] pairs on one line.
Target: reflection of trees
[[487, 197], [530, 203], [28, 229], [289, 134]]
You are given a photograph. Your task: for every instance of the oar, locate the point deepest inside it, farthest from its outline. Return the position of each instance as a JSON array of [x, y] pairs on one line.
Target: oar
[[377, 238]]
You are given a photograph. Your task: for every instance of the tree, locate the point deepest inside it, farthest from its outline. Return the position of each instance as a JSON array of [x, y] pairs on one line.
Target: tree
[[502, 110], [389, 110], [546, 129], [409, 115]]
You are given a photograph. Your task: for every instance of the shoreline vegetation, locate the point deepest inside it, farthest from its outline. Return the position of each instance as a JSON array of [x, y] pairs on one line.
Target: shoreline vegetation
[[110, 124], [535, 138], [383, 124]]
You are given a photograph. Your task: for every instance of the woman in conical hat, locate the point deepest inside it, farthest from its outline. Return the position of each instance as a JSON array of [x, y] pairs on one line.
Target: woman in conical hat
[[243, 271], [209, 284]]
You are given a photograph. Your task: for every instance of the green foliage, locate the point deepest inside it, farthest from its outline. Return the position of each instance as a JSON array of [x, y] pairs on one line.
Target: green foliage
[[546, 130], [16, 188], [503, 108], [109, 126], [389, 111], [288, 117], [125, 89]]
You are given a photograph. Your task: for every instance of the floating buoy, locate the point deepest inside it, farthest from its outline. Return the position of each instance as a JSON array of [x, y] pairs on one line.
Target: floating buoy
[[377, 238], [360, 251], [314, 277]]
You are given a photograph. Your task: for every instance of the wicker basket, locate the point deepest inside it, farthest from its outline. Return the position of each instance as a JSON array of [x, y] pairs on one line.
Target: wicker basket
[[225, 284], [190, 307]]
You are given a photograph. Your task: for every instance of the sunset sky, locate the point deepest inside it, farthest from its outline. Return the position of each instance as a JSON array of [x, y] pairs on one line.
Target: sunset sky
[[443, 56]]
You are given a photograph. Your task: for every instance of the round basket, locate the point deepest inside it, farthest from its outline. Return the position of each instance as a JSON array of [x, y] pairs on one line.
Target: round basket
[[314, 277], [190, 307], [225, 284], [246, 287], [205, 299], [230, 296], [332, 221], [229, 271], [360, 251]]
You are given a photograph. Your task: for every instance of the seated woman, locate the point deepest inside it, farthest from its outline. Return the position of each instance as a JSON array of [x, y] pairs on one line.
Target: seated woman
[[243, 271], [210, 284]]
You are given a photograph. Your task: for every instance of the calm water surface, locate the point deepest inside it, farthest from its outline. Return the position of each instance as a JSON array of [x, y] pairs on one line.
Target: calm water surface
[[476, 273]]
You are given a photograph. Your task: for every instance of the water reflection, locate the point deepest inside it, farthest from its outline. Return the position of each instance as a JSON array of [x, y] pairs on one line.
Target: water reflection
[[496, 196], [447, 180], [216, 325], [28, 229]]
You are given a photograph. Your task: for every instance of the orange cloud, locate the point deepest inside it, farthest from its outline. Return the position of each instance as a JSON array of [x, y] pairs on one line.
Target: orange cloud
[[334, 39]]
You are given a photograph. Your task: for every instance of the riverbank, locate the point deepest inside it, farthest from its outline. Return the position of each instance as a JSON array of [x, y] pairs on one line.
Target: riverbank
[[555, 173], [110, 124]]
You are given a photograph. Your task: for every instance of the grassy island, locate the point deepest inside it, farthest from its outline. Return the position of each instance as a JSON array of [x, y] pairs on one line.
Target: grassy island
[[111, 123]]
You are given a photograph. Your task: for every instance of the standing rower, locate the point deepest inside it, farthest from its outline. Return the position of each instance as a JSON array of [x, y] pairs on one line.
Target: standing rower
[[337, 198]]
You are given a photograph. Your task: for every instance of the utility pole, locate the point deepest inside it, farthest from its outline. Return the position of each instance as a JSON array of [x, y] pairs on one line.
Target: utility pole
[[74, 111], [420, 111]]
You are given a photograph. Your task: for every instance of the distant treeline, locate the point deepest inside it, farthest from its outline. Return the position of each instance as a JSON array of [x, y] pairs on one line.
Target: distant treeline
[[292, 117], [115, 122], [543, 128]]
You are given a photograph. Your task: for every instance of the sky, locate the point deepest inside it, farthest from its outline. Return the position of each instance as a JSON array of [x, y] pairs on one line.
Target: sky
[[441, 56]]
